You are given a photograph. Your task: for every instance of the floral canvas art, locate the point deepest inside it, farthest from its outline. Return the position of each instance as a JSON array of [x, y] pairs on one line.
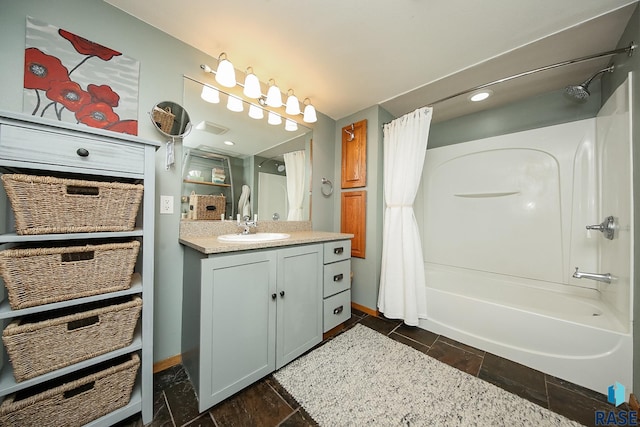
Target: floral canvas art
[[69, 78]]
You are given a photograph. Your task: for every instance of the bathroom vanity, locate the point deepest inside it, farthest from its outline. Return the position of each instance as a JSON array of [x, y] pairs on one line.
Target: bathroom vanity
[[251, 308]]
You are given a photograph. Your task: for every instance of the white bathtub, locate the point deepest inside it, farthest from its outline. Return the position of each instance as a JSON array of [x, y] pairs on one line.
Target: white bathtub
[[570, 336], [502, 223]]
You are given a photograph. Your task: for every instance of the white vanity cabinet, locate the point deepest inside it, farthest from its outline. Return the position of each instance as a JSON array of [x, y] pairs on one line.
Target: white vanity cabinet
[[246, 314], [43, 147], [336, 283]]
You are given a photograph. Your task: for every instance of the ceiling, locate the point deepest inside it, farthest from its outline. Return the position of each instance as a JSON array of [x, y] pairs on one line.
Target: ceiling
[[349, 55]]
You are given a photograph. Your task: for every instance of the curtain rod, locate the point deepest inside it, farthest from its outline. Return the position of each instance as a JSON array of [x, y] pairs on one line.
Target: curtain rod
[[632, 46]]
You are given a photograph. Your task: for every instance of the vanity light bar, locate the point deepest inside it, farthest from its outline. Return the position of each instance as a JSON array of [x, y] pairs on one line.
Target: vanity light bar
[[225, 76]]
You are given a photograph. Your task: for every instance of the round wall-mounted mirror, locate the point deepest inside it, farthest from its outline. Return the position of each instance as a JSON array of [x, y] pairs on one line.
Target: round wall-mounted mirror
[[171, 119]]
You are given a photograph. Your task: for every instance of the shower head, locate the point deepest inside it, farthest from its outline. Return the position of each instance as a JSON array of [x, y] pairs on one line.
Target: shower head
[[581, 92]]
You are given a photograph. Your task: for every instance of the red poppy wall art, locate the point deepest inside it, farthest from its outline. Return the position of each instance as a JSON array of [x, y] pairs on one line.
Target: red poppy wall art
[[71, 79]]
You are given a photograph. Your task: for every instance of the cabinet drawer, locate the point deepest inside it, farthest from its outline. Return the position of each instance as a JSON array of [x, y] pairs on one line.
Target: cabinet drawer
[[337, 251], [53, 148], [337, 309], [337, 277]]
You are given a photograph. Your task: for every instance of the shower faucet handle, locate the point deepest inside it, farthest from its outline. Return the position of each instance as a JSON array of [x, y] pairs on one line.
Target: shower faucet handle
[[607, 227]]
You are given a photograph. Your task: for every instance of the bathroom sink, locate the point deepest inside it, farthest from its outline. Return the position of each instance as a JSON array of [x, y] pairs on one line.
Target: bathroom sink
[[253, 238]]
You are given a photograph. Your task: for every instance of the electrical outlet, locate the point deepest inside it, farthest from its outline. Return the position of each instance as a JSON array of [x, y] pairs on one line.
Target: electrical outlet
[[166, 204]]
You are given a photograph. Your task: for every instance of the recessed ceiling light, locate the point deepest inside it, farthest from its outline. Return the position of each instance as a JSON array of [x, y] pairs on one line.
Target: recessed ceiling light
[[480, 96], [229, 143]]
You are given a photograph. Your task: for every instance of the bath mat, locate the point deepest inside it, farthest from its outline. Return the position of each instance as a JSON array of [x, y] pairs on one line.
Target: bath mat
[[363, 378]]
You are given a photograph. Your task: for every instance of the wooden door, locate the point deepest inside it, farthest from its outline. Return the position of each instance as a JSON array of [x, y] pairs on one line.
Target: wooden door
[[353, 219], [354, 155]]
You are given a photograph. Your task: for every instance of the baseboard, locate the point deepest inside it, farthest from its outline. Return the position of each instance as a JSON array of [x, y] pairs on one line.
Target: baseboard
[[333, 331], [362, 308], [167, 363]]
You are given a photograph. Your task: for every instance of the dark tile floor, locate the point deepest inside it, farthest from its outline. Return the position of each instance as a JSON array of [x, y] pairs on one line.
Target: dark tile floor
[[266, 403]]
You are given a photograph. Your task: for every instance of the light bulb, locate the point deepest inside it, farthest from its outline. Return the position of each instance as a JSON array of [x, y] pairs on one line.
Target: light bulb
[[255, 112], [226, 74], [274, 119], [309, 113], [274, 97], [235, 104], [290, 125], [210, 94], [252, 85], [293, 106]]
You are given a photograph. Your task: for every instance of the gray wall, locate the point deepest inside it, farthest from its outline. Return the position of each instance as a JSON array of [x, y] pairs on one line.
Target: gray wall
[[625, 64], [366, 271], [163, 62], [548, 109]]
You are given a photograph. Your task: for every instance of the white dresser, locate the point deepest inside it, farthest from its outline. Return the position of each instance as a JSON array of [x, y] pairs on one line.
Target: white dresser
[[42, 147]]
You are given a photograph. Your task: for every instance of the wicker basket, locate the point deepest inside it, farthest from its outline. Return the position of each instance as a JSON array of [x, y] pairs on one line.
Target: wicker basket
[[74, 402], [206, 206], [37, 345], [35, 276], [163, 117], [45, 204]]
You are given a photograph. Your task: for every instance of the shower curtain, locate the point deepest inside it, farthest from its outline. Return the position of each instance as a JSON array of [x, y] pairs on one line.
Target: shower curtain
[[402, 282], [294, 163]]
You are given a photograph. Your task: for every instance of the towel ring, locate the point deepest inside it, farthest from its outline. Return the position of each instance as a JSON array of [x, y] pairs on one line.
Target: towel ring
[[328, 192]]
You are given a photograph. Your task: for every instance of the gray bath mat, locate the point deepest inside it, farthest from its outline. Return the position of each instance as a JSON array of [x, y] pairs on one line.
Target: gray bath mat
[[363, 378]]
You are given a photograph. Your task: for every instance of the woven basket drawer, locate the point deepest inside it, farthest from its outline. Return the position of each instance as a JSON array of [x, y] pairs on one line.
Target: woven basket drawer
[[37, 344], [44, 204], [35, 276], [74, 402], [203, 206]]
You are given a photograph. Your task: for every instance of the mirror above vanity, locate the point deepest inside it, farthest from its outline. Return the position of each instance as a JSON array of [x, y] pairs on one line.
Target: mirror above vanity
[[254, 164]]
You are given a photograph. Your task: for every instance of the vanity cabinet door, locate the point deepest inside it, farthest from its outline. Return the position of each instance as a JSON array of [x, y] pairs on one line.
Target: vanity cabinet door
[[238, 310], [299, 289]]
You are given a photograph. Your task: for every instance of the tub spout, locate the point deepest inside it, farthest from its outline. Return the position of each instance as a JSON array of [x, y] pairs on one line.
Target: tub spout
[[606, 277]]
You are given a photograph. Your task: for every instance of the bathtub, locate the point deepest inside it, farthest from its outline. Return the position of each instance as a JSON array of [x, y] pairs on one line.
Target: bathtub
[[573, 336], [502, 224]]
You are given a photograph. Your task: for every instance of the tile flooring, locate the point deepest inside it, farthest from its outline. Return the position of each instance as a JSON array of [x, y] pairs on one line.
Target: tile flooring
[[266, 403]]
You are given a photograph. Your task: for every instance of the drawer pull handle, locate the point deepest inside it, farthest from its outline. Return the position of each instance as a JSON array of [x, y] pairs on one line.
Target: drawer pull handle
[[77, 256], [273, 296], [78, 390], [211, 207], [82, 152], [81, 323], [282, 294], [338, 277], [338, 310], [338, 251], [77, 190]]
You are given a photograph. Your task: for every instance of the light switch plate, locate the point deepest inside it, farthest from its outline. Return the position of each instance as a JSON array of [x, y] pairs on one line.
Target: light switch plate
[[166, 204]]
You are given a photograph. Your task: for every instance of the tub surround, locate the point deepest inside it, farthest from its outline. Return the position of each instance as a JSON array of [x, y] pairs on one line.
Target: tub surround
[[485, 287], [203, 235]]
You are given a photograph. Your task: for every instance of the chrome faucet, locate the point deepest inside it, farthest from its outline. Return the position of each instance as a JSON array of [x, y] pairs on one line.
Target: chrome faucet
[[606, 277], [247, 225]]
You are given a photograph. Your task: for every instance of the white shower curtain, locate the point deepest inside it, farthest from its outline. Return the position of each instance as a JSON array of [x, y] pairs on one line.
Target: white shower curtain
[[294, 163], [402, 282]]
